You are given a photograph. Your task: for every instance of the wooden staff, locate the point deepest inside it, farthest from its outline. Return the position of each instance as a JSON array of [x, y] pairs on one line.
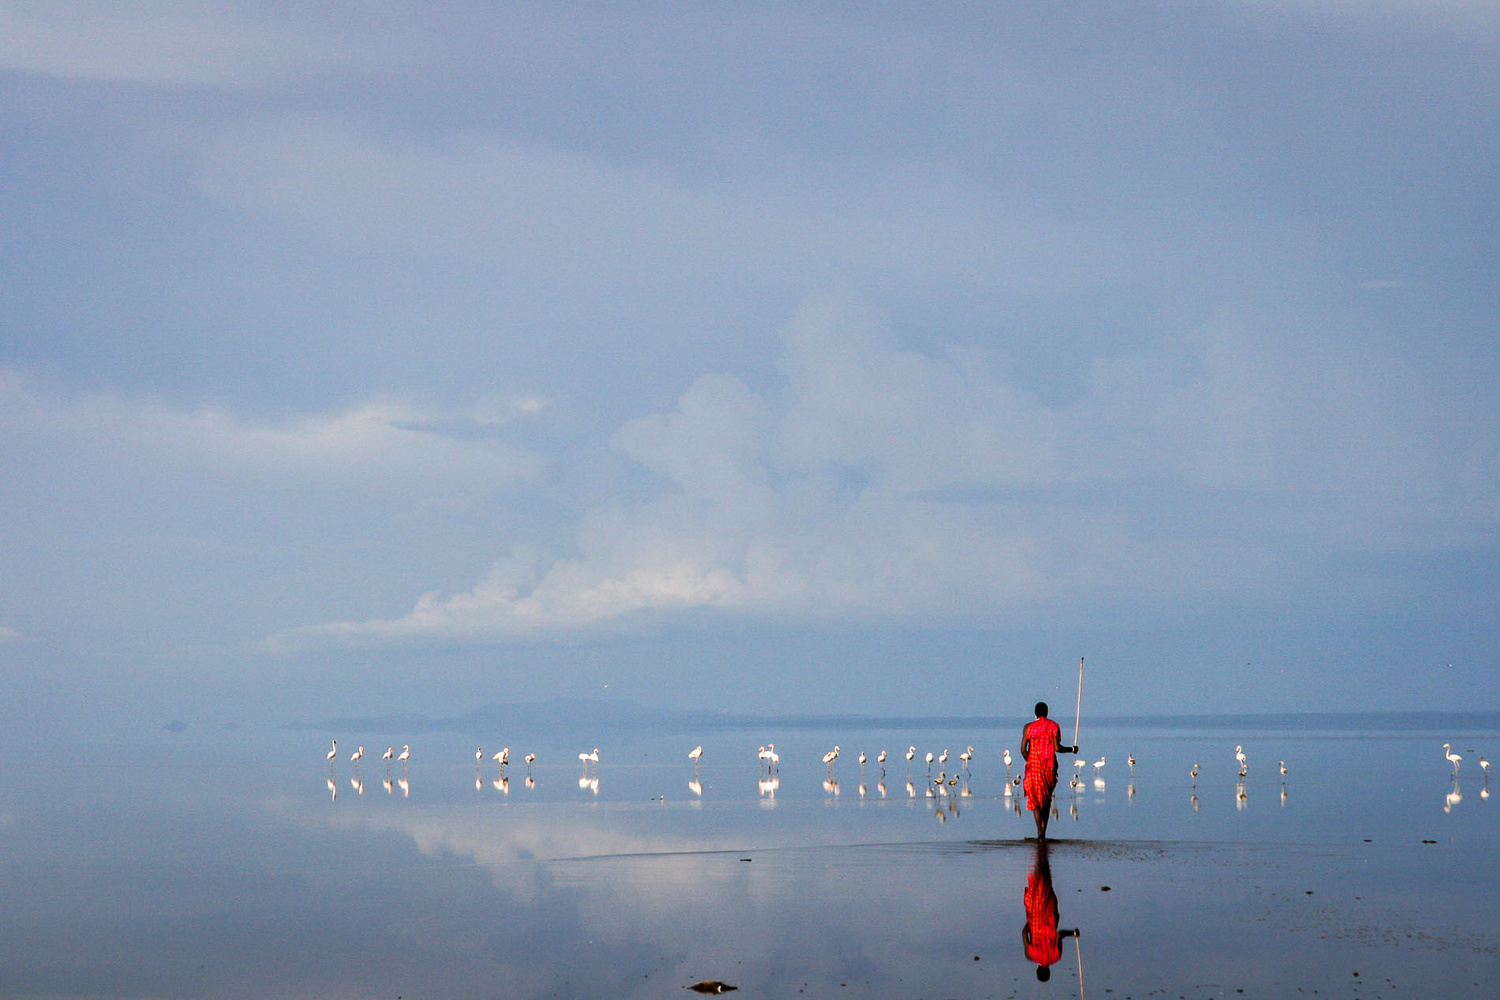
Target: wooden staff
[[1079, 709]]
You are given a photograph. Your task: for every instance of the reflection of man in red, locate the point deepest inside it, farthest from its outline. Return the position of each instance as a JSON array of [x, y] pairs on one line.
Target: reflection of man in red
[[1041, 740], [1041, 937]]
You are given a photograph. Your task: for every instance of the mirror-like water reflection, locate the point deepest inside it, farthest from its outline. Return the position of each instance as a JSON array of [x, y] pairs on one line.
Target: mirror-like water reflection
[[643, 871]]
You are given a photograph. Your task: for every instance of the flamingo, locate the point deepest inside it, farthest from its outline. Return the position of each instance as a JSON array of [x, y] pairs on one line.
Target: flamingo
[[530, 759], [503, 757], [356, 755], [389, 753], [333, 752], [943, 757], [1007, 759], [967, 756], [405, 754], [1484, 766], [1130, 759], [830, 757], [772, 757], [695, 754], [861, 760], [881, 761], [1453, 758], [478, 755], [1283, 770], [930, 759], [1239, 755], [1098, 764], [910, 753], [1195, 775]]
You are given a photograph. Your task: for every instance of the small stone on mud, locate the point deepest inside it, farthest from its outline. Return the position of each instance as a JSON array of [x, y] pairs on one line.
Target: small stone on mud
[[711, 986]]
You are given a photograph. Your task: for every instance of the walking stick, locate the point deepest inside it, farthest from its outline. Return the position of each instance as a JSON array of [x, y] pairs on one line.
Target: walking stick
[[1079, 709]]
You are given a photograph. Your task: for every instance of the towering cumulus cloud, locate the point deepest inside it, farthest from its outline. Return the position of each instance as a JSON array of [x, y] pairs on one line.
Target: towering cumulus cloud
[[871, 480]]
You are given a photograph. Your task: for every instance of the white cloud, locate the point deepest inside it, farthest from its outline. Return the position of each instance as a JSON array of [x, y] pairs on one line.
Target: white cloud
[[388, 439], [879, 481]]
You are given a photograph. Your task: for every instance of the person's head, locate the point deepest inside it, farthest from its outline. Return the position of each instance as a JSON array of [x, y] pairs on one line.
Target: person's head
[[1043, 973], [1041, 710]]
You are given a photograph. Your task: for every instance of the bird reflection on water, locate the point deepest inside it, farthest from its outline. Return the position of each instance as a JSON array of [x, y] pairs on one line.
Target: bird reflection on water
[[1453, 798]]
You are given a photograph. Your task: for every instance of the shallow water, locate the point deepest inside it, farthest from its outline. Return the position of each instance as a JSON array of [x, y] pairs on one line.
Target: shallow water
[[246, 866]]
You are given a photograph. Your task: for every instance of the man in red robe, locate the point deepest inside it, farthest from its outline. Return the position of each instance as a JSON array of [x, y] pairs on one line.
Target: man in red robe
[[1041, 741], [1041, 937]]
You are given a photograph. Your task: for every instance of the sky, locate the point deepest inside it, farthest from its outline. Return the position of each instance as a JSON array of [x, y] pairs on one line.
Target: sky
[[858, 358]]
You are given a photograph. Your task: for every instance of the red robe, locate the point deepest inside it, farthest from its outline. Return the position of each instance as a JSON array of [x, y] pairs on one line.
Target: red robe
[[1041, 763]]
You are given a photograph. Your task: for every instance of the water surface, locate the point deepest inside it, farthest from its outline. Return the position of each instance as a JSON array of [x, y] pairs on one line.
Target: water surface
[[244, 865]]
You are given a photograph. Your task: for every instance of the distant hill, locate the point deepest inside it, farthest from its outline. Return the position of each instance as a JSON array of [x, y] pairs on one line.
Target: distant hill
[[567, 715]]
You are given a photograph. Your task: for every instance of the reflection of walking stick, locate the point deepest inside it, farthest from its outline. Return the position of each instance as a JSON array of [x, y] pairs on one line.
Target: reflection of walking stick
[[1079, 709], [1078, 948]]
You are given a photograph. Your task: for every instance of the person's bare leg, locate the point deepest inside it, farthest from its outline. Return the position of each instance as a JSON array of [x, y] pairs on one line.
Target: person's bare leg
[[1040, 815]]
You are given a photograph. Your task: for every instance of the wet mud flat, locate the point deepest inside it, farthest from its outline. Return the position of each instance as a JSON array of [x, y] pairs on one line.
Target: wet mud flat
[[1153, 919]]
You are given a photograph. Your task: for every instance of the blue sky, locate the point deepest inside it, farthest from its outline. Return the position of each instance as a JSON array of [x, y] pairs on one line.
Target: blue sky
[[838, 358]]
